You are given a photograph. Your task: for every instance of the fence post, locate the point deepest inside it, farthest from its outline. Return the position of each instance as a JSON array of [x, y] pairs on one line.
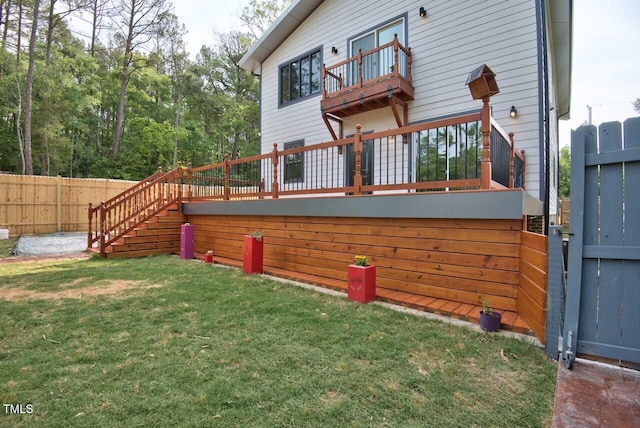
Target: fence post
[[555, 292], [357, 148], [59, 203], [226, 177], [90, 234], [274, 161], [485, 174]]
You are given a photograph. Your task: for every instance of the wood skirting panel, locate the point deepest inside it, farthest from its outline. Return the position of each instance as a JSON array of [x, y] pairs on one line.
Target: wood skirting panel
[[452, 259], [532, 297]]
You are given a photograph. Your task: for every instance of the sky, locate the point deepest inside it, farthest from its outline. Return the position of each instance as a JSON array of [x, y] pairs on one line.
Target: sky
[[605, 63]]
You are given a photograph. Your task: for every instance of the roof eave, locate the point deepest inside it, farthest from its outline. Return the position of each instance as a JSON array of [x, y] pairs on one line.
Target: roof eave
[[561, 13], [275, 35]]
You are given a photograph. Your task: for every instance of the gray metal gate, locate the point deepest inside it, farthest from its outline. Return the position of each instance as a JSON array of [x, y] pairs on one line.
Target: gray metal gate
[[602, 314]]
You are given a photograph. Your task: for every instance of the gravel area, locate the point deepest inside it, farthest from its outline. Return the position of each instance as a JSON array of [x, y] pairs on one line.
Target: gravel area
[[55, 243]]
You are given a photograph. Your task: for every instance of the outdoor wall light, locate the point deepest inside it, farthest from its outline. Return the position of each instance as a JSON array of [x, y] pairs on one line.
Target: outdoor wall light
[[334, 50], [423, 12], [513, 112]]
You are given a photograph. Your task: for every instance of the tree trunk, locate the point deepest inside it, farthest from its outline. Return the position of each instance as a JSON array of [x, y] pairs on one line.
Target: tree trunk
[[19, 42], [6, 26], [120, 116], [176, 125], [50, 26], [29, 91]]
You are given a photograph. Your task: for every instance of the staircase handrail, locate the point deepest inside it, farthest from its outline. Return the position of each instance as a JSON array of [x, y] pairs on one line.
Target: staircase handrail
[[116, 217]]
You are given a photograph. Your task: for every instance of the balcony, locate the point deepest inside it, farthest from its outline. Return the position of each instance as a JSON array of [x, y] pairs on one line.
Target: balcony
[[370, 80]]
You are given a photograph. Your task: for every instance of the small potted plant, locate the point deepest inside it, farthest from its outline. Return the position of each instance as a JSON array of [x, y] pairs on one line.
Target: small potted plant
[[208, 257], [252, 255], [361, 281], [489, 319]]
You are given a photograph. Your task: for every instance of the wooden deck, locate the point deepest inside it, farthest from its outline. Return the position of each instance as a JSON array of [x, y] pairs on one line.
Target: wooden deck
[[466, 312]]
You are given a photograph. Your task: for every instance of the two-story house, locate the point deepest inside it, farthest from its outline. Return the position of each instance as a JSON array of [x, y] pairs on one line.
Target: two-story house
[[322, 68]]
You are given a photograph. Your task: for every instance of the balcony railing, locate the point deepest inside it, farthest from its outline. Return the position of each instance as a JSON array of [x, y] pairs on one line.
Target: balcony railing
[[368, 80], [390, 60]]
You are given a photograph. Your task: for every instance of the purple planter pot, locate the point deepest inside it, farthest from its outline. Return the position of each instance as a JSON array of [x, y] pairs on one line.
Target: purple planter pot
[[490, 322]]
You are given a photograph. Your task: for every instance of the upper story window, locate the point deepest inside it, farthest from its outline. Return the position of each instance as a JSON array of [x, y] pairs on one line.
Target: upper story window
[[300, 77]]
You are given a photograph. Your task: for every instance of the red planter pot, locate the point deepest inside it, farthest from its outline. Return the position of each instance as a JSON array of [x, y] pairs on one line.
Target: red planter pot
[[362, 283], [252, 257], [208, 258]]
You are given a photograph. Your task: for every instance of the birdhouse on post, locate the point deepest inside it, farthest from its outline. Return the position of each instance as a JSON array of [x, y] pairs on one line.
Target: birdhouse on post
[[482, 83]]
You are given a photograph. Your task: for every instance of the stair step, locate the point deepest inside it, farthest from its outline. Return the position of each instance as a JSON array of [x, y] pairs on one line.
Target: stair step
[[142, 253], [167, 247]]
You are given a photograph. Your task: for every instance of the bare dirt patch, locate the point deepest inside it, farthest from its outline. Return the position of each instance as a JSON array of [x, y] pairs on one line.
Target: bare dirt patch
[[112, 288]]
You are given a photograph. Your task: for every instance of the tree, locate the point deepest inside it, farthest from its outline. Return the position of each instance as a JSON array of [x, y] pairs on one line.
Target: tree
[[54, 18], [174, 55], [135, 22], [28, 105], [260, 14], [564, 180], [636, 105]]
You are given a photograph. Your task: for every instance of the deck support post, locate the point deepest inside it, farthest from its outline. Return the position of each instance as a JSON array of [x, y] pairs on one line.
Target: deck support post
[[189, 182], [357, 148], [103, 250], [179, 187], [274, 161], [485, 174]]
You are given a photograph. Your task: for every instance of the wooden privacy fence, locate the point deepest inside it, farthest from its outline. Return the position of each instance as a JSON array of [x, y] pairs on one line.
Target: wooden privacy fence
[[603, 288], [34, 204]]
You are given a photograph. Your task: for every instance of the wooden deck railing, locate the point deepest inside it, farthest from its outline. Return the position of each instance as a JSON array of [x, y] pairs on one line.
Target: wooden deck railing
[[391, 59], [114, 218], [449, 154], [433, 156]]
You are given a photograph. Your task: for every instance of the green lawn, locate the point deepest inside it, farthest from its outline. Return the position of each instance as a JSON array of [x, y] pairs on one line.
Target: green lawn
[[7, 246], [164, 342]]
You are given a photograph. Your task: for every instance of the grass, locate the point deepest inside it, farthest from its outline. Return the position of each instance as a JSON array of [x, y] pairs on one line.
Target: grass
[[163, 342], [7, 246]]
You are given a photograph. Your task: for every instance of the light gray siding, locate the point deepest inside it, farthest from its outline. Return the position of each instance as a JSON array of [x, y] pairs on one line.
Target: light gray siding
[[454, 38]]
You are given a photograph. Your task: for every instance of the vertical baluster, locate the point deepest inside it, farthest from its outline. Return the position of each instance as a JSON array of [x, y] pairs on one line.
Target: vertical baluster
[[512, 154], [357, 148], [396, 63], [274, 160], [360, 67]]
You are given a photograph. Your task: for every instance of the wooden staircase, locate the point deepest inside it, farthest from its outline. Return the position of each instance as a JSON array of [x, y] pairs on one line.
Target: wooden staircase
[[158, 235]]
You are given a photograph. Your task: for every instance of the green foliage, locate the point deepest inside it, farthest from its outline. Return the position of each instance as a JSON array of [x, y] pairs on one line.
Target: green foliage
[[177, 109], [112, 342], [564, 181], [460, 144]]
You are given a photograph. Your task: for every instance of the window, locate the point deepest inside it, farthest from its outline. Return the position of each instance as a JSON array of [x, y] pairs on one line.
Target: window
[[294, 163], [300, 78], [379, 63]]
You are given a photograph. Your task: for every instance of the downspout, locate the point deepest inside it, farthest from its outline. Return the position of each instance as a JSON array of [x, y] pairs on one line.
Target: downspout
[[543, 114]]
